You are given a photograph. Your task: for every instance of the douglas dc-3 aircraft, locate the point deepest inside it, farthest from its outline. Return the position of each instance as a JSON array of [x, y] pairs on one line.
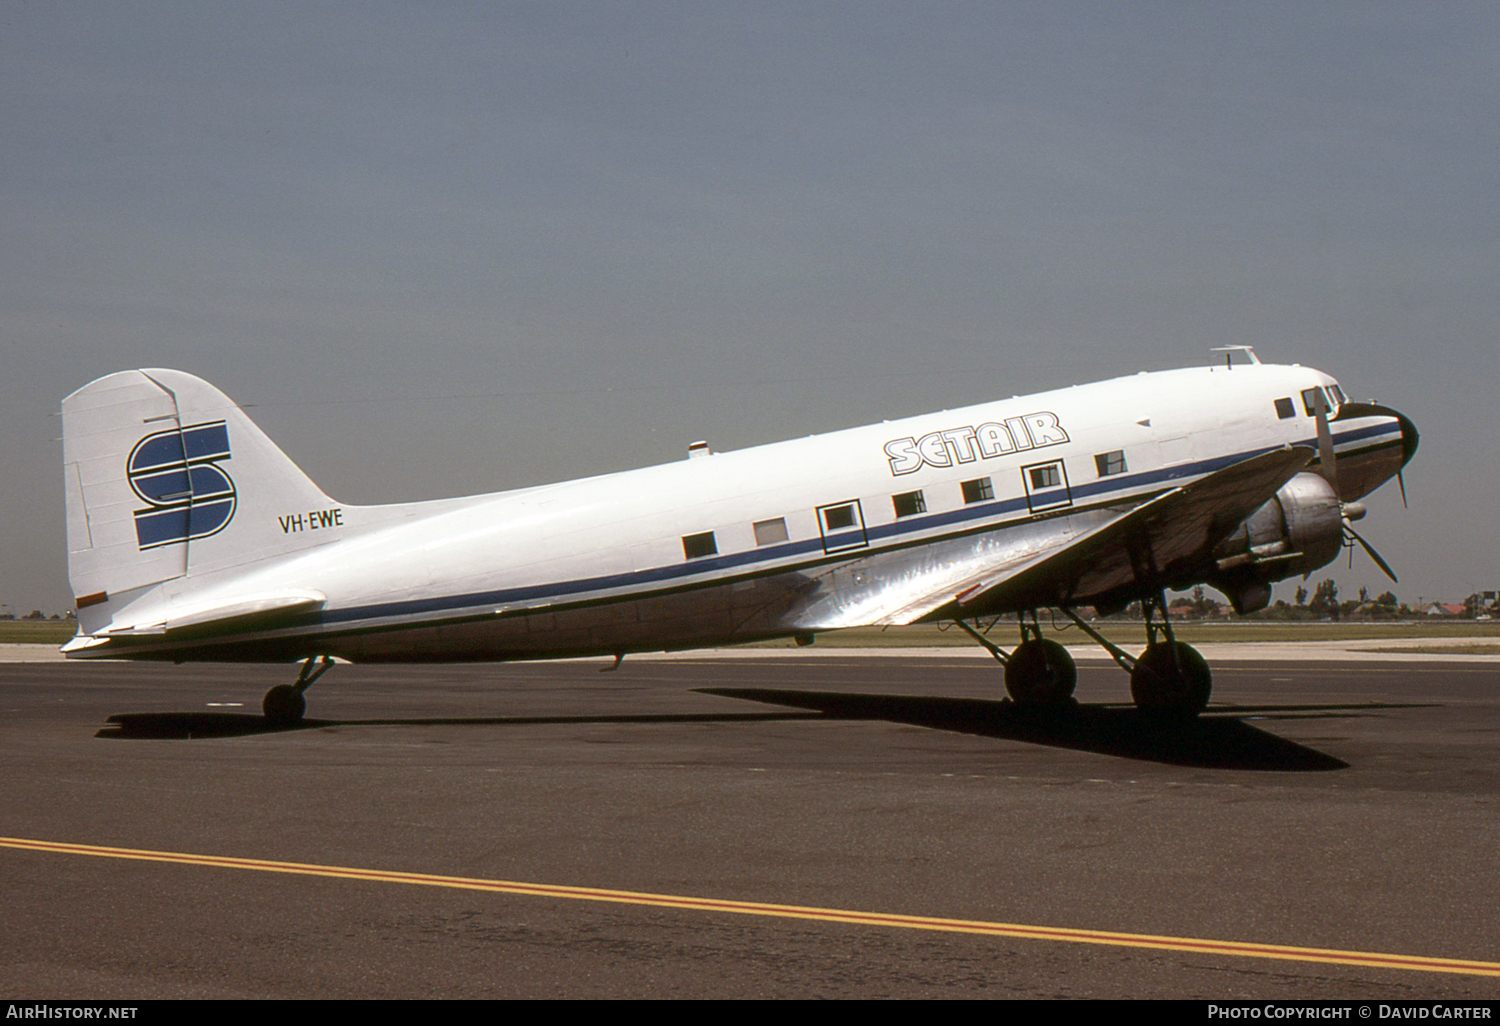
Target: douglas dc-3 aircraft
[[191, 536]]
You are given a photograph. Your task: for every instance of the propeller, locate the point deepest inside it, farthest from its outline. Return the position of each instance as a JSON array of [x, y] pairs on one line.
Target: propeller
[[1351, 533], [1328, 469]]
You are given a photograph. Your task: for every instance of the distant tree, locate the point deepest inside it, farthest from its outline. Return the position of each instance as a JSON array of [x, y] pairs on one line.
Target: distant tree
[[1325, 600], [1387, 598], [1202, 605], [1280, 610], [1301, 596], [1364, 595], [35, 614]]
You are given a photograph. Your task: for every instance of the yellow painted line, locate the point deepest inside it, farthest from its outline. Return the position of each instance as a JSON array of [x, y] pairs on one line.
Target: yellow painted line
[[1197, 945]]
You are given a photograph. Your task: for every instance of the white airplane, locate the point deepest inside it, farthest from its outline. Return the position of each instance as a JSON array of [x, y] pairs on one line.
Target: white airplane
[[191, 536]]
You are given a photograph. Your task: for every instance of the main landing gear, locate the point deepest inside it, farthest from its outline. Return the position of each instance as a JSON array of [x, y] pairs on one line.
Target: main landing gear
[[1038, 673], [1169, 678], [284, 703]]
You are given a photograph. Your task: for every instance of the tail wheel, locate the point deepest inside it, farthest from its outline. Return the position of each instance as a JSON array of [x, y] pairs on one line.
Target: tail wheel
[[284, 704], [1040, 672], [1162, 683]]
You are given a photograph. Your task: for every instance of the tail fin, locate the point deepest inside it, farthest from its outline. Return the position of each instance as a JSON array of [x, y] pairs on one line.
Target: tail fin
[[166, 480]]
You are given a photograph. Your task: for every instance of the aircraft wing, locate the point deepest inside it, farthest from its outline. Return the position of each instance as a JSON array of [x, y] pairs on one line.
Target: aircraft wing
[[1150, 546], [1147, 546]]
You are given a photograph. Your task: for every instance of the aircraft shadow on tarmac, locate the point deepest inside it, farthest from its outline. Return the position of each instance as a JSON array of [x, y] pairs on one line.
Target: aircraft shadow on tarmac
[[1218, 739], [195, 726]]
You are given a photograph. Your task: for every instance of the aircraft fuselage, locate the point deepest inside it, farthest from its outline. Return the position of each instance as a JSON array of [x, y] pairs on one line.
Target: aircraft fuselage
[[776, 540]]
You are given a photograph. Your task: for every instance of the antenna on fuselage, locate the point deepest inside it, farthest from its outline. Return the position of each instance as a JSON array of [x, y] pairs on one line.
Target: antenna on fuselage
[[1229, 352]]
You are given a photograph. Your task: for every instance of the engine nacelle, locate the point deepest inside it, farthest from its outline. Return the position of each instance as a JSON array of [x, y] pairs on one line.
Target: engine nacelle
[[1300, 529]]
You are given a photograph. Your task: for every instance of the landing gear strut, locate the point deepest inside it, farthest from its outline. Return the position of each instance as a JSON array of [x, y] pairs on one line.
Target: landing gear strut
[[1169, 678], [284, 703], [1038, 673]]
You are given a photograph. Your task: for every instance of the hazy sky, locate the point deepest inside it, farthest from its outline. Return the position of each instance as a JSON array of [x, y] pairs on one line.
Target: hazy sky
[[449, 248]]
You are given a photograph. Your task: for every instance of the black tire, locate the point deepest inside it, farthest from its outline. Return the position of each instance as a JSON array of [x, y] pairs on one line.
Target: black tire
[[1040, 673], [1158, 684], [283, 704]]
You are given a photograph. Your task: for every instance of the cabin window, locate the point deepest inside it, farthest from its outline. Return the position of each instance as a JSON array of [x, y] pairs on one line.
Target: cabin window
[[1048, 476], [1046, 486], [1309, 399], [909, 504], [696, 546], [769, 532], [978, 490], [1284, 409], [837, 518], [842, 525], [1110, 463]]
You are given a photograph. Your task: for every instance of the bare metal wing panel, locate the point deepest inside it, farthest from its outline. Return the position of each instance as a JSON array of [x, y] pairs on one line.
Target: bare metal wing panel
[[1059, 562], [1151, 546]]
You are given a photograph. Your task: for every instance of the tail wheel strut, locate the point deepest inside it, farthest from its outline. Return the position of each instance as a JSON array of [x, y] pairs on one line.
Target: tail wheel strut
[[284, 703]]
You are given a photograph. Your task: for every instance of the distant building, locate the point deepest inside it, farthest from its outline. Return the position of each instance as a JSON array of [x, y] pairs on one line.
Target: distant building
[[1443, 609]]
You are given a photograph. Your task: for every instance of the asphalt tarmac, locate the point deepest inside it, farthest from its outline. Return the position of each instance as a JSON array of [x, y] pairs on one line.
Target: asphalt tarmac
[[553, 831]]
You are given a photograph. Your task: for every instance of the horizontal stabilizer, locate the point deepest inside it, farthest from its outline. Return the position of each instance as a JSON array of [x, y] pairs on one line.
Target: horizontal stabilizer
[[247, 612]]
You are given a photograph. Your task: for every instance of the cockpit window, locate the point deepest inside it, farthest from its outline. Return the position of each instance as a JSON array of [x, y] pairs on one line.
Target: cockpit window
[[1333, 396]]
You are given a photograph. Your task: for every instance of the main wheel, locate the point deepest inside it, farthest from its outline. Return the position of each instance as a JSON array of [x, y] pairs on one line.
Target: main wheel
[[283, 704], [1040, 673], [1161, 684]]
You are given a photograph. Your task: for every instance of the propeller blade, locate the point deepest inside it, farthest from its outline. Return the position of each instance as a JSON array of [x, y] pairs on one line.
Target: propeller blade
[[1327, 467], [1401, 480], [1370, 551]]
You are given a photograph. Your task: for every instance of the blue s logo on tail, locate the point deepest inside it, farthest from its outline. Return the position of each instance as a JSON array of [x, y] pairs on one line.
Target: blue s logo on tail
[[177, 474]]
